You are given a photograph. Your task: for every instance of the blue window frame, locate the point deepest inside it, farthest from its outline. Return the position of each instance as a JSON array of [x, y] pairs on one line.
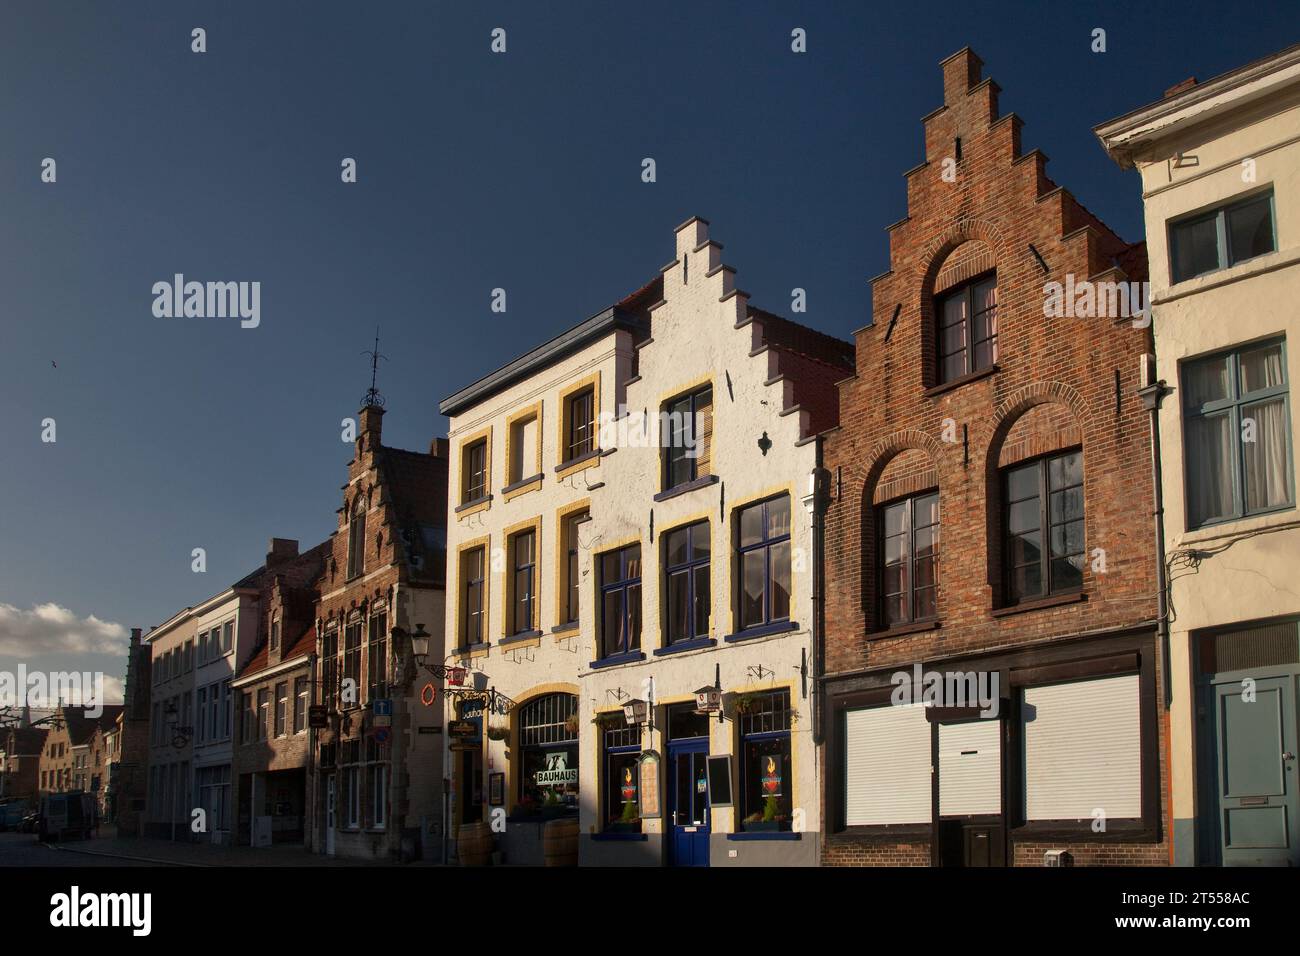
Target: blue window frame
[[766, 778], [763, 559], [622, 747], [1221, 237], [1237, 434], [686, 573], [620, 591]]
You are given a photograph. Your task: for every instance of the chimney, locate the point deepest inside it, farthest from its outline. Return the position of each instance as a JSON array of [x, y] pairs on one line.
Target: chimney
[[439, 448], [1182, 87], [371, 426], [281, 550]]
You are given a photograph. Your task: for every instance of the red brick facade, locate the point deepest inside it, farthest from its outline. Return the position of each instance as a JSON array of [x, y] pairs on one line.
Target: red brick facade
[[977, 206]]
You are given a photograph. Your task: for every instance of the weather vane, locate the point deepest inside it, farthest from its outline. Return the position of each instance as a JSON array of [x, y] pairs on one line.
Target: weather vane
[[373, 398]]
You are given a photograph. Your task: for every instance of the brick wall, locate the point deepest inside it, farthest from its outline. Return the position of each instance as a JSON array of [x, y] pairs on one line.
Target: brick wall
[[1058, 383]]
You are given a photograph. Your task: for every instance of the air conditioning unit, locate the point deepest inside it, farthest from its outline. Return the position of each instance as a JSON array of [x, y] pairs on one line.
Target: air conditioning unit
[[1057, 858]]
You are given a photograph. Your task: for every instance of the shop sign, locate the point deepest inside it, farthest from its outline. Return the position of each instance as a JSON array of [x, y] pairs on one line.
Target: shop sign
[[317, 717], [558, 773], [462, 728]]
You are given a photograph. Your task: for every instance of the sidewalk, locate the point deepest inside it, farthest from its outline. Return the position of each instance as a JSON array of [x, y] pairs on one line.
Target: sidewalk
[[168, 853]]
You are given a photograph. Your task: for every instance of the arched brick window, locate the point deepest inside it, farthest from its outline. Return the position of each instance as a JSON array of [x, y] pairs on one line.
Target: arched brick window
[[965, 308]]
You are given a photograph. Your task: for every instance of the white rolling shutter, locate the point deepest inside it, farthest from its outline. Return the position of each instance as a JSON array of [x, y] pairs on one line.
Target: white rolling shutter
[[970, 768], [886, 766], [1082, 749]]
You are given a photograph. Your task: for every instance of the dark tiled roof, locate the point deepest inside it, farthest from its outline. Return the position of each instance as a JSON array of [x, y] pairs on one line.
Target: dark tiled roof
[[260, 660], [813, 361], [26, 741]]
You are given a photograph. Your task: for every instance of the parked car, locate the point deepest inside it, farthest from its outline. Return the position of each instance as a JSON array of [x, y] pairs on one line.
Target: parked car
[[12, 813], [66, 815], [30, 823]]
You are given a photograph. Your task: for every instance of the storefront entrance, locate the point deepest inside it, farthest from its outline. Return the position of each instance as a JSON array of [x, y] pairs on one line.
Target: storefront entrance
[[1248, 722], [688, 787], [969, 827]]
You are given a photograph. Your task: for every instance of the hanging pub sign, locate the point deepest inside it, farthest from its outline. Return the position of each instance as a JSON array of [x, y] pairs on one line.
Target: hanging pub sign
[[317, 717], [456, 676], [462, 728], [648, 771], [770, 777], [708, 700]]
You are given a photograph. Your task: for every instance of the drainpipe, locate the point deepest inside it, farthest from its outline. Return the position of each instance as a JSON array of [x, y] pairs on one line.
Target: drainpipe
[[820, 485], [1152, 393]]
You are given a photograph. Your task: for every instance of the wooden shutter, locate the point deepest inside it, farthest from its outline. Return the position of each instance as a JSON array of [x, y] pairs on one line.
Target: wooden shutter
[[970, 768], [1082, 749], [886, 766], [704, 434]]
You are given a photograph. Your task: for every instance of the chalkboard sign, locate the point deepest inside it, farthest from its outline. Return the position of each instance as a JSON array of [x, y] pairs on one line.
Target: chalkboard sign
[[720, 781]]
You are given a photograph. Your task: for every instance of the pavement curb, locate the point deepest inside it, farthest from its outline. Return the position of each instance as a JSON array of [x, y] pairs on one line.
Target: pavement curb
[[124, 856]]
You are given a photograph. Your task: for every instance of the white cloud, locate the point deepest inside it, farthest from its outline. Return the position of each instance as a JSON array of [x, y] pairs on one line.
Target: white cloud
[[49, 629]]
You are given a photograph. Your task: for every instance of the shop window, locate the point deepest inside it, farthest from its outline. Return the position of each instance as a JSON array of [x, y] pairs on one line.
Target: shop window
[[622, 805], [764, 559], [1043, 508], [1237, 433], [1222, 237], [686, 573], [887, 766], [968, 328], [1082, 749], [620, 588], [909, 560], [688, 451], [548, 755], [766, 776]]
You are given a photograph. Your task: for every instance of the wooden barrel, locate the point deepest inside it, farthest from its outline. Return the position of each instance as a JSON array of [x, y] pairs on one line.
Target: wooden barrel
[[474, 844], [560, 842]]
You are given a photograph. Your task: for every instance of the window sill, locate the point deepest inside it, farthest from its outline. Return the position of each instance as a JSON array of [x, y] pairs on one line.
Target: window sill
[[1070, 831], [687, 488], [632, 657], [1230, 527], [1039, 604], [681, 647], [619, 837], [760, 836], [575, 464], [522, 486], [477, 503], [519, 638], [937, 390], [917, 627], [904, 833], [471, 650], [763, 630], [562, 630]]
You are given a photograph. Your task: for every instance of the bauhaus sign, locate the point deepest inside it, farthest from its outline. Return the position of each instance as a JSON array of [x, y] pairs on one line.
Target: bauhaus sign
[[557, 772]]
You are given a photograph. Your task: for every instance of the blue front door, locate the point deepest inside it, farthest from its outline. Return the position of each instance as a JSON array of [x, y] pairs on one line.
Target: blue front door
[[688, 806]]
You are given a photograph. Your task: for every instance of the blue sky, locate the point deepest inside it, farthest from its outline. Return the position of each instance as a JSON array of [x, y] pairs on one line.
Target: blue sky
[[475, 171]]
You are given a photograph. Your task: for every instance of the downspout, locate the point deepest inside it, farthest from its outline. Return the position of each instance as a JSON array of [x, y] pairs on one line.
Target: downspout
[[820, 485], [1151, 396]]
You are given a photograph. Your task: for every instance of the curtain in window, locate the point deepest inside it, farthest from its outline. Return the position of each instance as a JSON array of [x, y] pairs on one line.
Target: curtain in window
[[1209, 467], [1268, 478]]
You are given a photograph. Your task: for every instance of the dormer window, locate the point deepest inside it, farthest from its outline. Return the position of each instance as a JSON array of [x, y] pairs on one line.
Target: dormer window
[[968, 328], [357, 539]]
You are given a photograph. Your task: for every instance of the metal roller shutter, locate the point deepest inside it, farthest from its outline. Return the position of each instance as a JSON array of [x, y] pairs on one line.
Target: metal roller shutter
[[1083, 749], [887, 766], [970, 768]]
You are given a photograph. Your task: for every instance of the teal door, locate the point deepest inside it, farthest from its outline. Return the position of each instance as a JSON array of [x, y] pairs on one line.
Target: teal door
[[1258, 798]]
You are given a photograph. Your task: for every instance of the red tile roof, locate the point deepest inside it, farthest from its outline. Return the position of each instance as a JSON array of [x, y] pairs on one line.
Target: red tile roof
[[260, 660]]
